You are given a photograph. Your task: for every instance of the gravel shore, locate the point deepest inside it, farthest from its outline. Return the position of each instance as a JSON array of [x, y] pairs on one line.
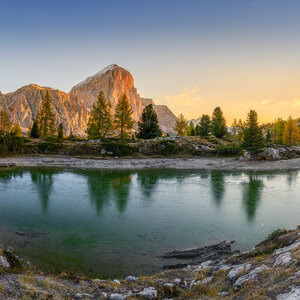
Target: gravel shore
[[228, 164]]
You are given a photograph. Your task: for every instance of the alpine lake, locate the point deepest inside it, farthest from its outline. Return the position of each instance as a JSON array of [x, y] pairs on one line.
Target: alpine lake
[[108, 224]]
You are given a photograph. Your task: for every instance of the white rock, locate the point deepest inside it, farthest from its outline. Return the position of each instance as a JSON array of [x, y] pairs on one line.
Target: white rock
[[131, 279], [224, 294], [116, 296], [271, 153], [177, 280], [4, 263], [283, 259], [206, 280], [149, 293], [236, 270], [204, 265], [117, 281], [171, 285], [294, 294], [250, 276], [288, 248]]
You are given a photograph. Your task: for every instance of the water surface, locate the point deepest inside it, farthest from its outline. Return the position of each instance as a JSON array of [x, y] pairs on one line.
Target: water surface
[[115, 223]]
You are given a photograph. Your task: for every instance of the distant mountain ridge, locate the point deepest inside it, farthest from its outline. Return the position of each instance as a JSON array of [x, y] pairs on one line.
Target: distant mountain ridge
[[72, 109]]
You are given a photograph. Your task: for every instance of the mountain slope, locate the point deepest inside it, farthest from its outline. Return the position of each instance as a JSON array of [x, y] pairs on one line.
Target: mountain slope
[[165, 116], [22, 107], [72, 110], [112, 81]]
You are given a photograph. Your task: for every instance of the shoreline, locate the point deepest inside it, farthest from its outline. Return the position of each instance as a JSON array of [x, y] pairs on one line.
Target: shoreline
[[203, 163], [270, 270]]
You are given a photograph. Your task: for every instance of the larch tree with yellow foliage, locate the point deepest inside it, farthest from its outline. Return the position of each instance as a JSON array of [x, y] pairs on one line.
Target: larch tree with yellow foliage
[[291, 135]]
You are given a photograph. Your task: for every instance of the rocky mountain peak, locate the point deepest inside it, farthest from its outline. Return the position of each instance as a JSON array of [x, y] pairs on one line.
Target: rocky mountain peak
[[112, 81]]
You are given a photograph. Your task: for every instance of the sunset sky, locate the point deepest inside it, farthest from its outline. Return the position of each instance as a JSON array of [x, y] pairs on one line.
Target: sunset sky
[[190, 55]]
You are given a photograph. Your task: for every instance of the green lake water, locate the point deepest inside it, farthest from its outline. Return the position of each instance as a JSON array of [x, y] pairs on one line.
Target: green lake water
[[117, 223]]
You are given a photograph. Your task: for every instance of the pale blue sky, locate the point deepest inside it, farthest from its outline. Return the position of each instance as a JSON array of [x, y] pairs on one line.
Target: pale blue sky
[[191, 55]]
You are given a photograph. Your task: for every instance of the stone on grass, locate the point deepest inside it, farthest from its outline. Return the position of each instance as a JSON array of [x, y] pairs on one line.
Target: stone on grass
[[148, 293], [294, 294], [236, 270], [250, 276], [131, 279], [116, 296], [4, 263], [283, 259]]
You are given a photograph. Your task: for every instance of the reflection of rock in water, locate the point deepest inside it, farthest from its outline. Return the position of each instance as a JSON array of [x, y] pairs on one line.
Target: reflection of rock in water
[[43, 180], [217, 186], [251, 195]]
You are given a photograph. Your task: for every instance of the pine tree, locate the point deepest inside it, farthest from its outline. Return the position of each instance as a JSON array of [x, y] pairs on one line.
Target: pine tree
[[123, 112], [253, 137], [181, 125], [34, 132], [5, 124], [204, 126], [60, 131], [291, 134], [218, 123], [46, 118], [17, 131], [148, 126], [100, 122]]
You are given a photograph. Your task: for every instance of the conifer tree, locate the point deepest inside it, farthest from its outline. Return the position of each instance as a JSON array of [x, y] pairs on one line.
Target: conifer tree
[[34, 132], [253, 137], [218, 123], [5, 124], [191, 129], [181, 125], [148, 126], [46, 118], [291, 134], [123, 112], [17, 131], [204, 126], [100, 122], [60, 131]]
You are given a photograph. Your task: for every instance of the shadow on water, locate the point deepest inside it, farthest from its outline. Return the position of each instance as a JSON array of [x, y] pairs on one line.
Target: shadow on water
[[217, 186], [43, 180], [252, 195]]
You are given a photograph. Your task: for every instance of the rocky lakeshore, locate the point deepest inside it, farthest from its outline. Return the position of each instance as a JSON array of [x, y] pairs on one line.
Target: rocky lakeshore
[[203, 163], [271, 270]]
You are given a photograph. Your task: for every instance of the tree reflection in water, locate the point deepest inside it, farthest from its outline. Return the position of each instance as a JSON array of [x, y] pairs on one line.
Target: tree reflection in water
[[252, 195]]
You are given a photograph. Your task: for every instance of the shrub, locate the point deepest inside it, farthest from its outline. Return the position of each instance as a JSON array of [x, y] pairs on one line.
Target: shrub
[[165, 147], [10, 144], [119, 148], [229, 149], [48, 147]]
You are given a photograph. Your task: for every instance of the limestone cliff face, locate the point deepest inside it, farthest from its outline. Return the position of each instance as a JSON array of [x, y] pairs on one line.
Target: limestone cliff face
[[165, 116], [112, 81], [22, 106], [72, 110]]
